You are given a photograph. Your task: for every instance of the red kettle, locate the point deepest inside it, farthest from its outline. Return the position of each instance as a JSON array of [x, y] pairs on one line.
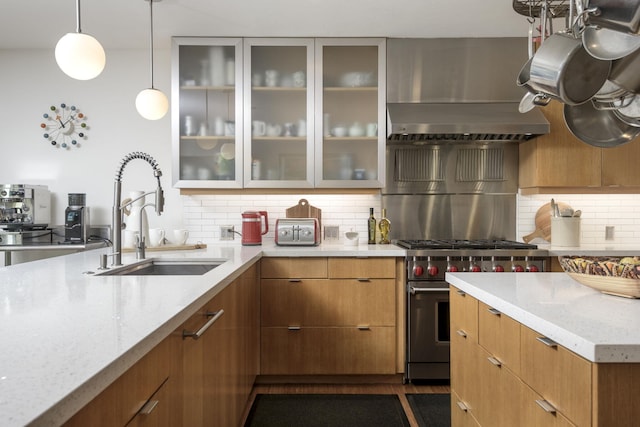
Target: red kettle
[[252, 227]]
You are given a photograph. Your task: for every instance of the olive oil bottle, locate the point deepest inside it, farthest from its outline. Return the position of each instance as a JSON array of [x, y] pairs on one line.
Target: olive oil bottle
[[371, 227]]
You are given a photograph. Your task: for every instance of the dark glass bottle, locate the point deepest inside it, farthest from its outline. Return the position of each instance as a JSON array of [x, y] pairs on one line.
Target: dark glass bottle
[[371, 223]]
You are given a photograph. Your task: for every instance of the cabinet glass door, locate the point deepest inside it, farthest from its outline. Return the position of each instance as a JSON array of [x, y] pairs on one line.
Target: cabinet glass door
[[278, 121], [207, 112], [350, 118]]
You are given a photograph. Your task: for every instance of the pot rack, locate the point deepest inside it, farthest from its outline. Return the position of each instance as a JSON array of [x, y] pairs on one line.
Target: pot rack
[[532, 8]]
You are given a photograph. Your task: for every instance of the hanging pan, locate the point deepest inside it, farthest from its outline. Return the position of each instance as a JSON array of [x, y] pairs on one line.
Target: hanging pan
[[600, 128]]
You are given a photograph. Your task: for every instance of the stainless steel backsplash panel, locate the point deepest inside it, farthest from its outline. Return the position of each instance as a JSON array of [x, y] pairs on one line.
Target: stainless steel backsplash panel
[[451, 216]]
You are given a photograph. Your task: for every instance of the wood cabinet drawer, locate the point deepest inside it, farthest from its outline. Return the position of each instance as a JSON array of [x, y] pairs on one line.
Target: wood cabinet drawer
[[463, 314], [357, 268], [465, 372], [288, 268], [537, 412], [321, 351], [124, 398], [500, 392], [460, 414], [499, 335], [558, 375], [318, 302]]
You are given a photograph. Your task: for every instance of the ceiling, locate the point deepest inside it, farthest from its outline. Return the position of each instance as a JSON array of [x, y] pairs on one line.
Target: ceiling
[[117, 24]]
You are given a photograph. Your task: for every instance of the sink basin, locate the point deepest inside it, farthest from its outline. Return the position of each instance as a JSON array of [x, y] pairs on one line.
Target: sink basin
[[165, 267]]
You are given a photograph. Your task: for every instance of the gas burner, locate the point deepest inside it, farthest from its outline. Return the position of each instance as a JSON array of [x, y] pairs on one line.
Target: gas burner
[[464, 244]]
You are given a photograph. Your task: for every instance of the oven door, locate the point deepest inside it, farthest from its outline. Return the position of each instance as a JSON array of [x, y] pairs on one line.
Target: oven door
[[428, 331]]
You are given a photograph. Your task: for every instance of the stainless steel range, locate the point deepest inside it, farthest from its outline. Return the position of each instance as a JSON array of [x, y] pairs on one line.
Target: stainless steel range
[[427, 262]]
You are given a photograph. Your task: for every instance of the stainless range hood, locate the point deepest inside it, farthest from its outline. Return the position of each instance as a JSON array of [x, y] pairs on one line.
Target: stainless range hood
[[458, 89]]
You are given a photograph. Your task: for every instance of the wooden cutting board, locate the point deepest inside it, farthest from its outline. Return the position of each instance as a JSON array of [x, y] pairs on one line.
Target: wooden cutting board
[[304, 210], [543, 222]]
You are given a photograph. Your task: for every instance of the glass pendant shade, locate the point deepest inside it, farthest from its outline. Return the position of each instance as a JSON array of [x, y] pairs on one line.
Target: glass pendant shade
[[152, 104], [80, 56]]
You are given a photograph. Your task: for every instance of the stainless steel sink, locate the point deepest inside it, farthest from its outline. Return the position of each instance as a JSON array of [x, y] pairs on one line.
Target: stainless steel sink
[[165, 267]]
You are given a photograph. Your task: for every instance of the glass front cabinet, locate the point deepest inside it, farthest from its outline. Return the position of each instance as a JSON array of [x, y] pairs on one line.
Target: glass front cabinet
[[278, 113]]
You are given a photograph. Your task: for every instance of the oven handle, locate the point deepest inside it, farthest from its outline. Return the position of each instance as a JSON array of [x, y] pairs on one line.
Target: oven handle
[[413, 290]]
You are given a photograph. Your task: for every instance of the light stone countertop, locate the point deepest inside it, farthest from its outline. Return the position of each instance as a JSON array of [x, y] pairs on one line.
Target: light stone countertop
[[606, 249], [67, 335], [601, 328]]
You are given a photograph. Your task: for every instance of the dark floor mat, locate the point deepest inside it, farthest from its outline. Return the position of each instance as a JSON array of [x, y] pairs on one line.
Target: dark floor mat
[[431, 410], [327, 410]]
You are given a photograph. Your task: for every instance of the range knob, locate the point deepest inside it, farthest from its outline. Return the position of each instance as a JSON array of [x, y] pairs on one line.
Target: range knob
[[433, 270], [473, 267], [418, 271], [451, 267], [533, 269], [498, 268]]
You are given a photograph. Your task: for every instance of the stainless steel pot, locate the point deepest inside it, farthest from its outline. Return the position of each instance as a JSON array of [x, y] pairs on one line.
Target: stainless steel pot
[[563, 69], [620, 15], [624, 72], [605, 44], [600, 128]]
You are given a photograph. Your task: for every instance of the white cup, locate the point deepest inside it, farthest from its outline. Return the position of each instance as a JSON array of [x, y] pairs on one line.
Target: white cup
[[229, 128], [271, 78], [372, 129], [218, 126], [274, 130], [302, 127], [180, 237], [130, 239], [259, 128], [156, 236]]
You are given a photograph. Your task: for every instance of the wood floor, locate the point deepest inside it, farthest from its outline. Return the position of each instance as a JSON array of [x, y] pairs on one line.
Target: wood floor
[[399, 389]]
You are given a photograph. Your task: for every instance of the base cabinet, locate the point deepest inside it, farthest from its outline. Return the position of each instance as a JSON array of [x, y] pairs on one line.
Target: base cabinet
[[328, 316], [190, 382], [508, 374], [219, 367]]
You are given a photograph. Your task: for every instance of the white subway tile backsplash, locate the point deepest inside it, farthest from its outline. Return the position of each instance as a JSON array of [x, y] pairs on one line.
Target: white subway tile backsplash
[[598, 211], [204, 214]]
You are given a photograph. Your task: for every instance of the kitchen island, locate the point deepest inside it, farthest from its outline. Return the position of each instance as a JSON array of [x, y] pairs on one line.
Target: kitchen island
[[68, 334], [557, 351]]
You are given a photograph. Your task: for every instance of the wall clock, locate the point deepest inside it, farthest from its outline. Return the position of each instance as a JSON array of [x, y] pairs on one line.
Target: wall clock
[[64, 126]]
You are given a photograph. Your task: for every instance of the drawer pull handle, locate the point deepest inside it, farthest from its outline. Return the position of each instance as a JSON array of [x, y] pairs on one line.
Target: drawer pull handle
[[293, 328], [149, 407], [363, 279], [462, 406], [462, 333], [364, 328], [548, 407], [494, 311], [461, 293], [494, 361], [197, 334], [548, 342], [295, 280]]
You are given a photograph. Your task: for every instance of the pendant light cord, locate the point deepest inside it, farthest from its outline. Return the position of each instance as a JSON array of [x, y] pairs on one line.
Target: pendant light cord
[[150, 39], [78, 17]]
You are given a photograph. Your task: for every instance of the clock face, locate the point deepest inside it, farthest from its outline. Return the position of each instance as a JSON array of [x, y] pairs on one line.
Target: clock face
[[64, 126]]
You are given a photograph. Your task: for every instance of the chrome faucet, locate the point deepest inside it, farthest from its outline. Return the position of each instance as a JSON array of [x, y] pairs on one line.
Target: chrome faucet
[[116, 216]]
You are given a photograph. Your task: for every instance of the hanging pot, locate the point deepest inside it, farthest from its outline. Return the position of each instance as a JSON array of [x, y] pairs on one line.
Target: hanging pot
[[600, 128], [624, 72], [606, 44], [563, 69], [619, 15]]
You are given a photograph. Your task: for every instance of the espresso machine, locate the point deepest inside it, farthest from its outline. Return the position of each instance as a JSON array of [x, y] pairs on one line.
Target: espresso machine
[[76, 219], [24, 207]]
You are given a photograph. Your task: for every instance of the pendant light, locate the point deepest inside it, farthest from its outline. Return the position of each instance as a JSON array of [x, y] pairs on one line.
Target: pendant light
[[151, 103], [79, 55]]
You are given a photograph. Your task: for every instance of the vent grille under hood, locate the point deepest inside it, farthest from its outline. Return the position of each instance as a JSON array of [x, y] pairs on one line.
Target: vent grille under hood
[[434, 122]]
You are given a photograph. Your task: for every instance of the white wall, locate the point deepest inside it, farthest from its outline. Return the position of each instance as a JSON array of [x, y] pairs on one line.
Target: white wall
[[30, 82]]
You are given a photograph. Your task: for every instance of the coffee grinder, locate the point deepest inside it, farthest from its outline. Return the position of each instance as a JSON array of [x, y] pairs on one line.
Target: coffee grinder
[[76, 224]]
